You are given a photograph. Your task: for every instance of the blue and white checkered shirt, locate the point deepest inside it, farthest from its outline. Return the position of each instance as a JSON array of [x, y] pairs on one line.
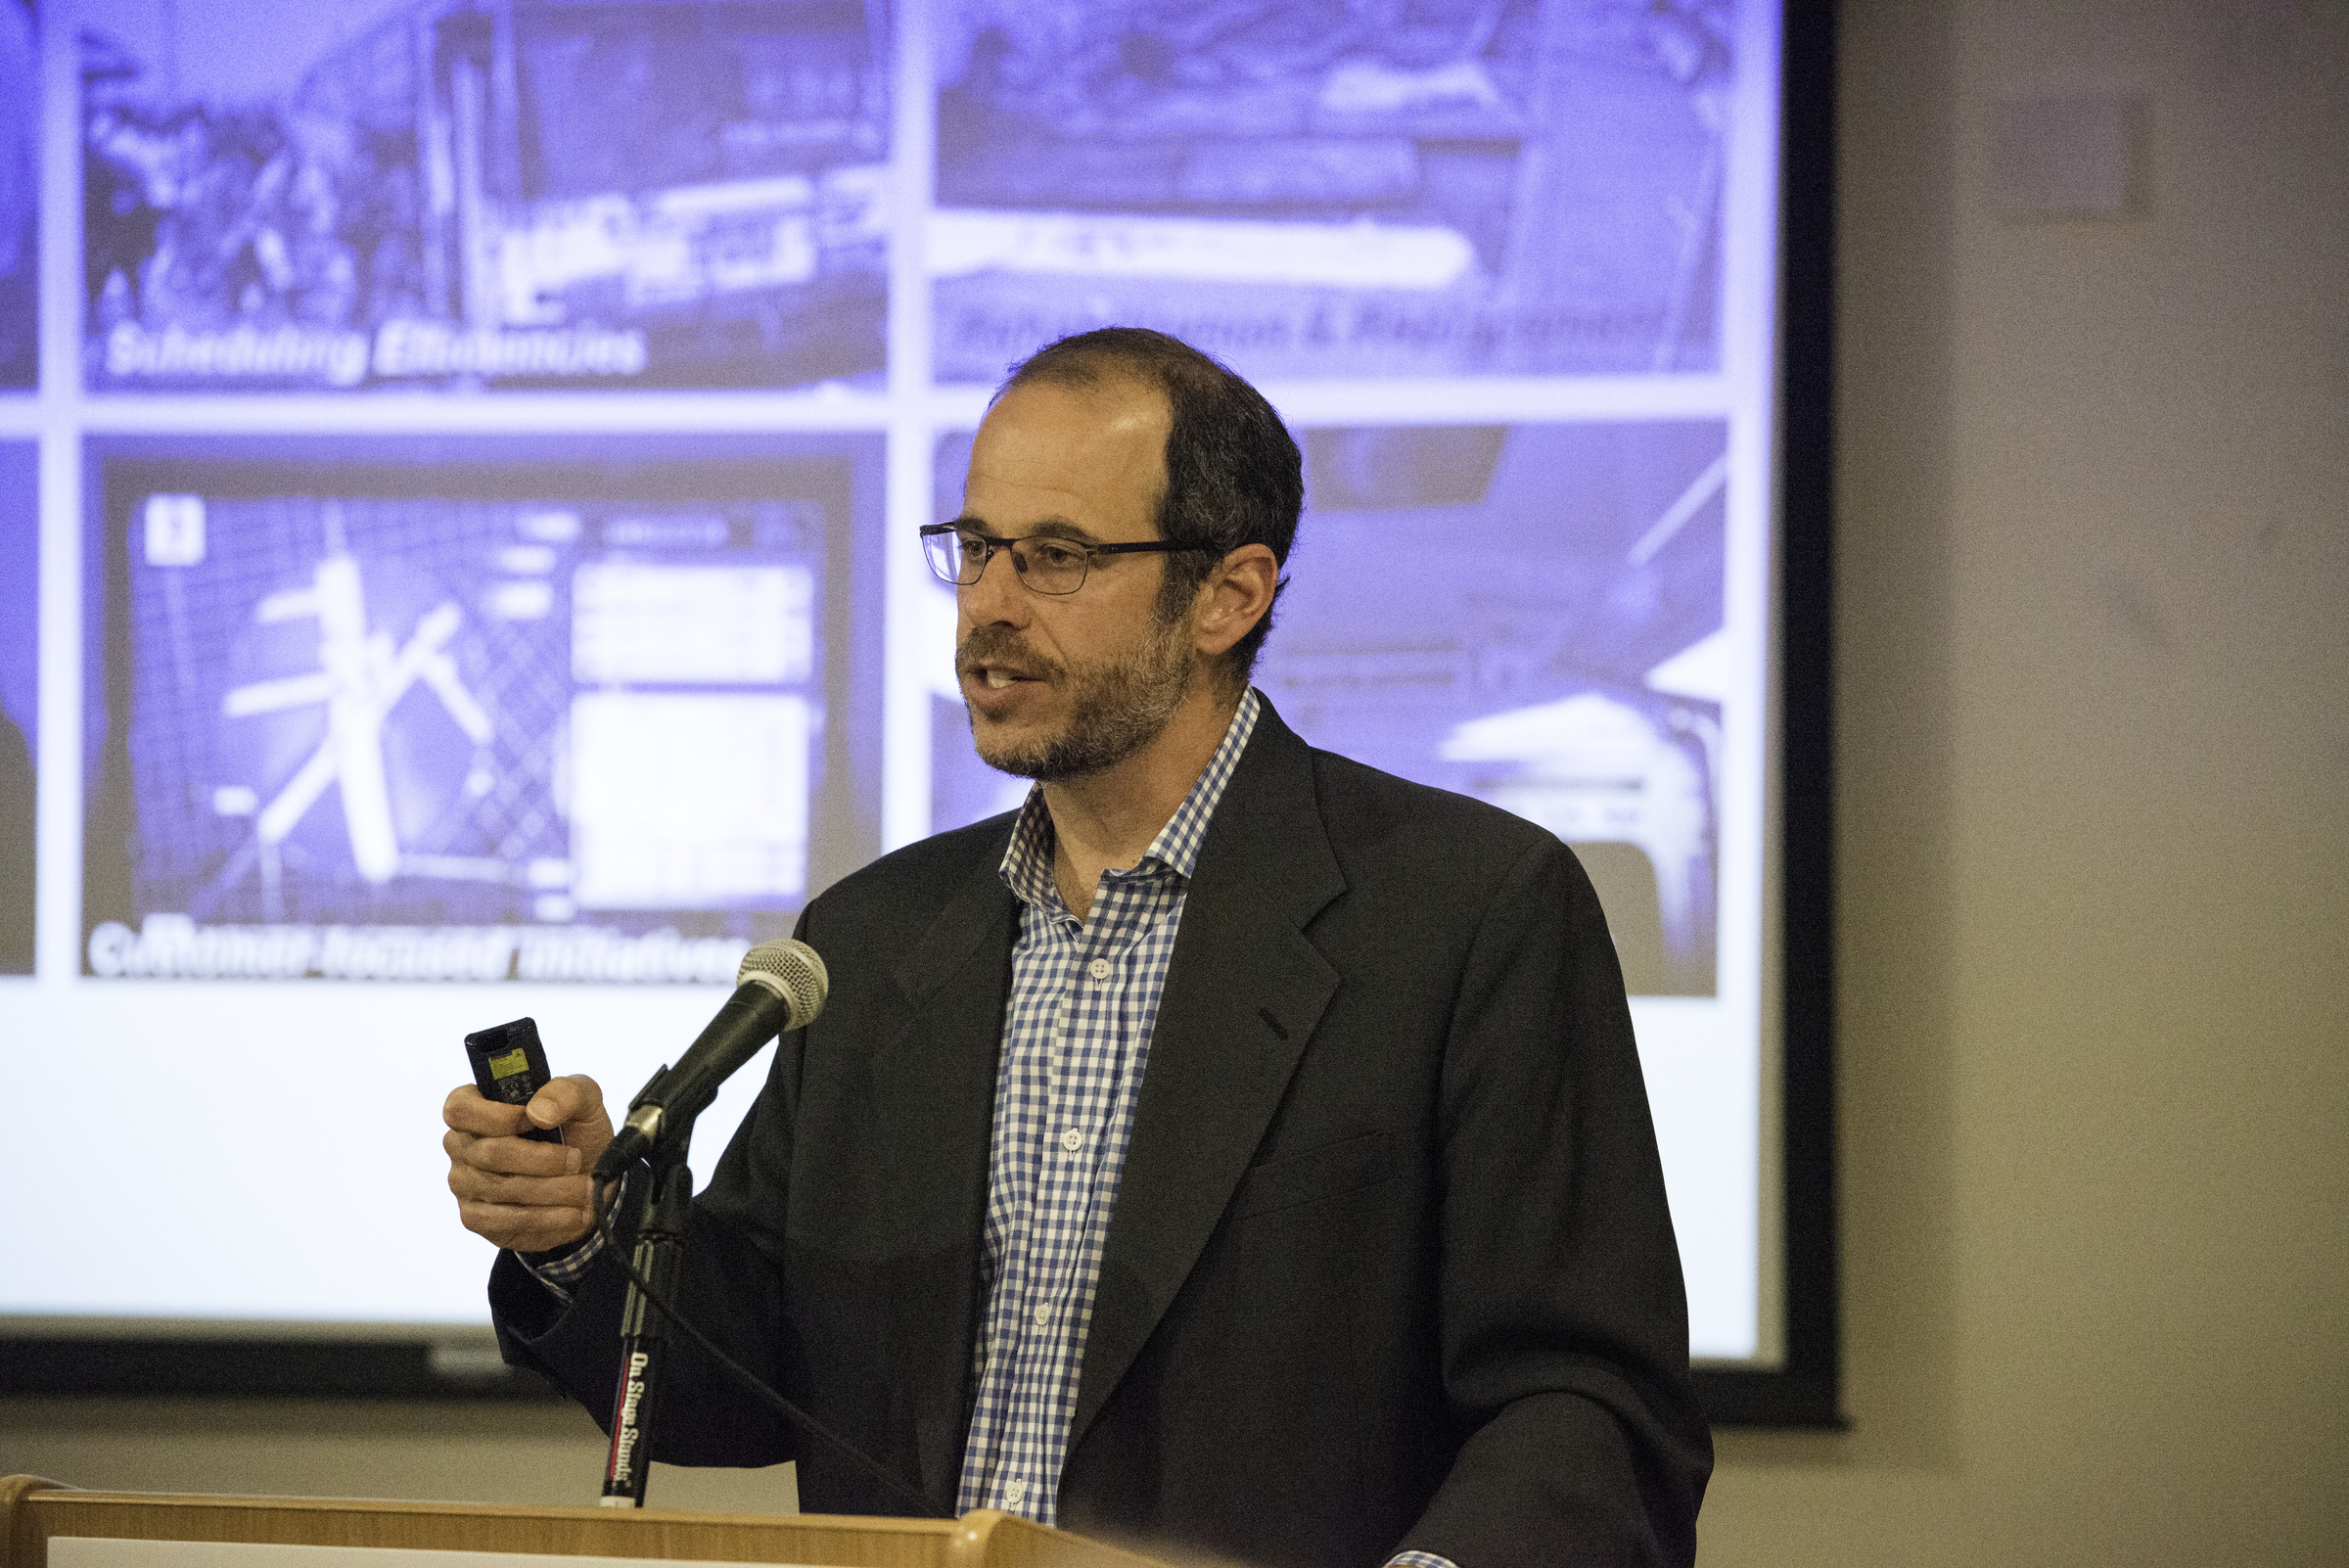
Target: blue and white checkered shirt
[[1075, 1040]]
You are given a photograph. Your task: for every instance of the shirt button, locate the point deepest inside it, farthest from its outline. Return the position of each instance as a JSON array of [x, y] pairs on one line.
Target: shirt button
[[1014, 1490], [1073, 1139], [1098, 969], [1043, 1314]]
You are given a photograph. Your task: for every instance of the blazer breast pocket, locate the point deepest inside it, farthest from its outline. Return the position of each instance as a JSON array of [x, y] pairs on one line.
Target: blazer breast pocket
[[1327, 1171]]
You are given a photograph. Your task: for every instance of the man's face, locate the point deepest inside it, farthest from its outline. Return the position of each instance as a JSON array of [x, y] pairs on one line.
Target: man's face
[[1062, 685]]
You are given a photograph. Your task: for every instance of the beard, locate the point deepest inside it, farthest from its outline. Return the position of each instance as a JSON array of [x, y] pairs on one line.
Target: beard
[[1114, 708]]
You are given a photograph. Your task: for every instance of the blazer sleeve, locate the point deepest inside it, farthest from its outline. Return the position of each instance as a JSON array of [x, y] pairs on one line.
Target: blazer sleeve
[[1564, 1322], [729, 1287]]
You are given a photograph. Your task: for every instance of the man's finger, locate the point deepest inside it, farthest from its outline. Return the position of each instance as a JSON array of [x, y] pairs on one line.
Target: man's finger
[[524, 1230], [573, 1097], [467, 1112], [512, 1156], [564, 1193]]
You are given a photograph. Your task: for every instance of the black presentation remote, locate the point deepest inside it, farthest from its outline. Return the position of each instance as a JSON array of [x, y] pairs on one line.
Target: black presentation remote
[[508, 1066]]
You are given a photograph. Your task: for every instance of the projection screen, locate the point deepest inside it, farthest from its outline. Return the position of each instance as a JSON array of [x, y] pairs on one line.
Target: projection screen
[[457, 552]]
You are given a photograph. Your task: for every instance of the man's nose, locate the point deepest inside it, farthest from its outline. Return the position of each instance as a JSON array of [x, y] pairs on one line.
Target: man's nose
[[998, 594]]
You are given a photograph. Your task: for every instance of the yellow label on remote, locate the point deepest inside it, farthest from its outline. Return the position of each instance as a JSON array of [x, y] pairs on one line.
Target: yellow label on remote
[[505, 1064]]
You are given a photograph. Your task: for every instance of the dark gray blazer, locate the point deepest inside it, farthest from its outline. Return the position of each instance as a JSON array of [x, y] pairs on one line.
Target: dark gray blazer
[[1389, 1264]]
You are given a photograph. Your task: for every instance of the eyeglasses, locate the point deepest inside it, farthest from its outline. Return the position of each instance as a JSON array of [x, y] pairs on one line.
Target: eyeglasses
[[960, 555]]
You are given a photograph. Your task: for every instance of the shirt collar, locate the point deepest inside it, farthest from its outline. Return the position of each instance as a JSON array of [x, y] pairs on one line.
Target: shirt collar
[[1026, 868]]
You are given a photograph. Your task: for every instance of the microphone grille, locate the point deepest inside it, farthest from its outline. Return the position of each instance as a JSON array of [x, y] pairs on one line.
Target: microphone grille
[[791, 970]]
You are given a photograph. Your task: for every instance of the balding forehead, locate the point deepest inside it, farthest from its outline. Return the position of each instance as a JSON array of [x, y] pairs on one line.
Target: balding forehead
[[1096, 456]]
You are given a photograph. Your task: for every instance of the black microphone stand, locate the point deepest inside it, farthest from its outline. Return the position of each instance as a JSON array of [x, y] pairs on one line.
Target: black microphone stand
[[657, 1201]]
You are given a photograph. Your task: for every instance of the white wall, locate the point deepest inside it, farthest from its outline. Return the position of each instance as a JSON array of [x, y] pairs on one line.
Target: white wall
[[2093, 779], [2093, 654]]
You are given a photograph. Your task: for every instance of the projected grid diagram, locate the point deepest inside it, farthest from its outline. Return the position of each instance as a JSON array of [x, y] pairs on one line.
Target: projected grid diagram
[[1329, 188], [479, 735], [532, 194]]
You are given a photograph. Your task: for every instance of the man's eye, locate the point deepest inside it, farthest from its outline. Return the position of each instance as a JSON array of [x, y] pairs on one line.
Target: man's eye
[[1056, 557], [971, 543]]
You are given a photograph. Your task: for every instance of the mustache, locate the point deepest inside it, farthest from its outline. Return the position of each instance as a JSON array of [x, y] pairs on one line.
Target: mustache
[[1000, 645]]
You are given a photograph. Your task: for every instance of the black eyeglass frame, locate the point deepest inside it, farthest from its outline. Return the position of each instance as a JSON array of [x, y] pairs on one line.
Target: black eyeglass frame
[[1019, 564]]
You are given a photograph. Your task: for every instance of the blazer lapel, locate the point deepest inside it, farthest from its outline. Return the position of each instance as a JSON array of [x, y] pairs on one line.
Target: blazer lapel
[[937, 1078], [1244, 992]]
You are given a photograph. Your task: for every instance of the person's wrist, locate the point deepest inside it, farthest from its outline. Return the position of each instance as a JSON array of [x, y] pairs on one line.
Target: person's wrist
[[554, 1253]]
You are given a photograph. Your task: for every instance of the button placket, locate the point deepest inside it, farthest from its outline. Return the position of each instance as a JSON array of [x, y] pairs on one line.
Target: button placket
[[1094, 1042], [1055, 1058]]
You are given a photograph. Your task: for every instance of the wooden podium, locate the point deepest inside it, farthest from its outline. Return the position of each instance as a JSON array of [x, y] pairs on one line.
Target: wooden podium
[[34, 1511]]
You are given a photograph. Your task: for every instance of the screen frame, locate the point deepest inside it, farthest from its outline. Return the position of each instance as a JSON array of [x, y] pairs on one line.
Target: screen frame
[[1806, 1389], [59, 1357]]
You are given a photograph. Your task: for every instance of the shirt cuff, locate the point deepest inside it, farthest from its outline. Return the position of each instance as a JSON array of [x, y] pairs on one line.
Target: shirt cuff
[[1419, 1559], [561, 1271], [561, 1268]]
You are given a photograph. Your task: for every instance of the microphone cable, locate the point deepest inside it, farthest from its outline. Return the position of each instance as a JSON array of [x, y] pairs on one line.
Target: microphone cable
[[607, 1226]]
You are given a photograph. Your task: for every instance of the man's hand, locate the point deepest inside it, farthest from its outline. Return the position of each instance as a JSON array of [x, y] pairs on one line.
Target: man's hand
[[511, 1190]]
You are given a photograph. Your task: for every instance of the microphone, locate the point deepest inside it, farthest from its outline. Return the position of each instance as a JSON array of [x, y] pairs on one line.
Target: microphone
[[781, 986]]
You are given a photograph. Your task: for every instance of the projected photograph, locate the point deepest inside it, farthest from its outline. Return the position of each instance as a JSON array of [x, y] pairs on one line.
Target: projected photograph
[[412, 710], [1408, 188], [535, 194], [1527, 614], [1531, 614], [19, 195], [19, 698]]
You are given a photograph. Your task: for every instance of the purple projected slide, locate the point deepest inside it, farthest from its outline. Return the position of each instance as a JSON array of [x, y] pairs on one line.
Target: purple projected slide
[[20, 696], [673, 192], [432, 710], [1326, 188]]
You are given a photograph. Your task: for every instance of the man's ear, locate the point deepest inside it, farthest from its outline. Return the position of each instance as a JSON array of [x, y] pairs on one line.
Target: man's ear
[[1236, 596]]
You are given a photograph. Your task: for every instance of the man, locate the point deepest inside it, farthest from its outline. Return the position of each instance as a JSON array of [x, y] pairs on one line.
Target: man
[[1236, 1150]]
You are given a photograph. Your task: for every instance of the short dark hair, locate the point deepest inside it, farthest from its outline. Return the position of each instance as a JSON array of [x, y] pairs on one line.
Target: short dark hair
[[1234, 475]]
